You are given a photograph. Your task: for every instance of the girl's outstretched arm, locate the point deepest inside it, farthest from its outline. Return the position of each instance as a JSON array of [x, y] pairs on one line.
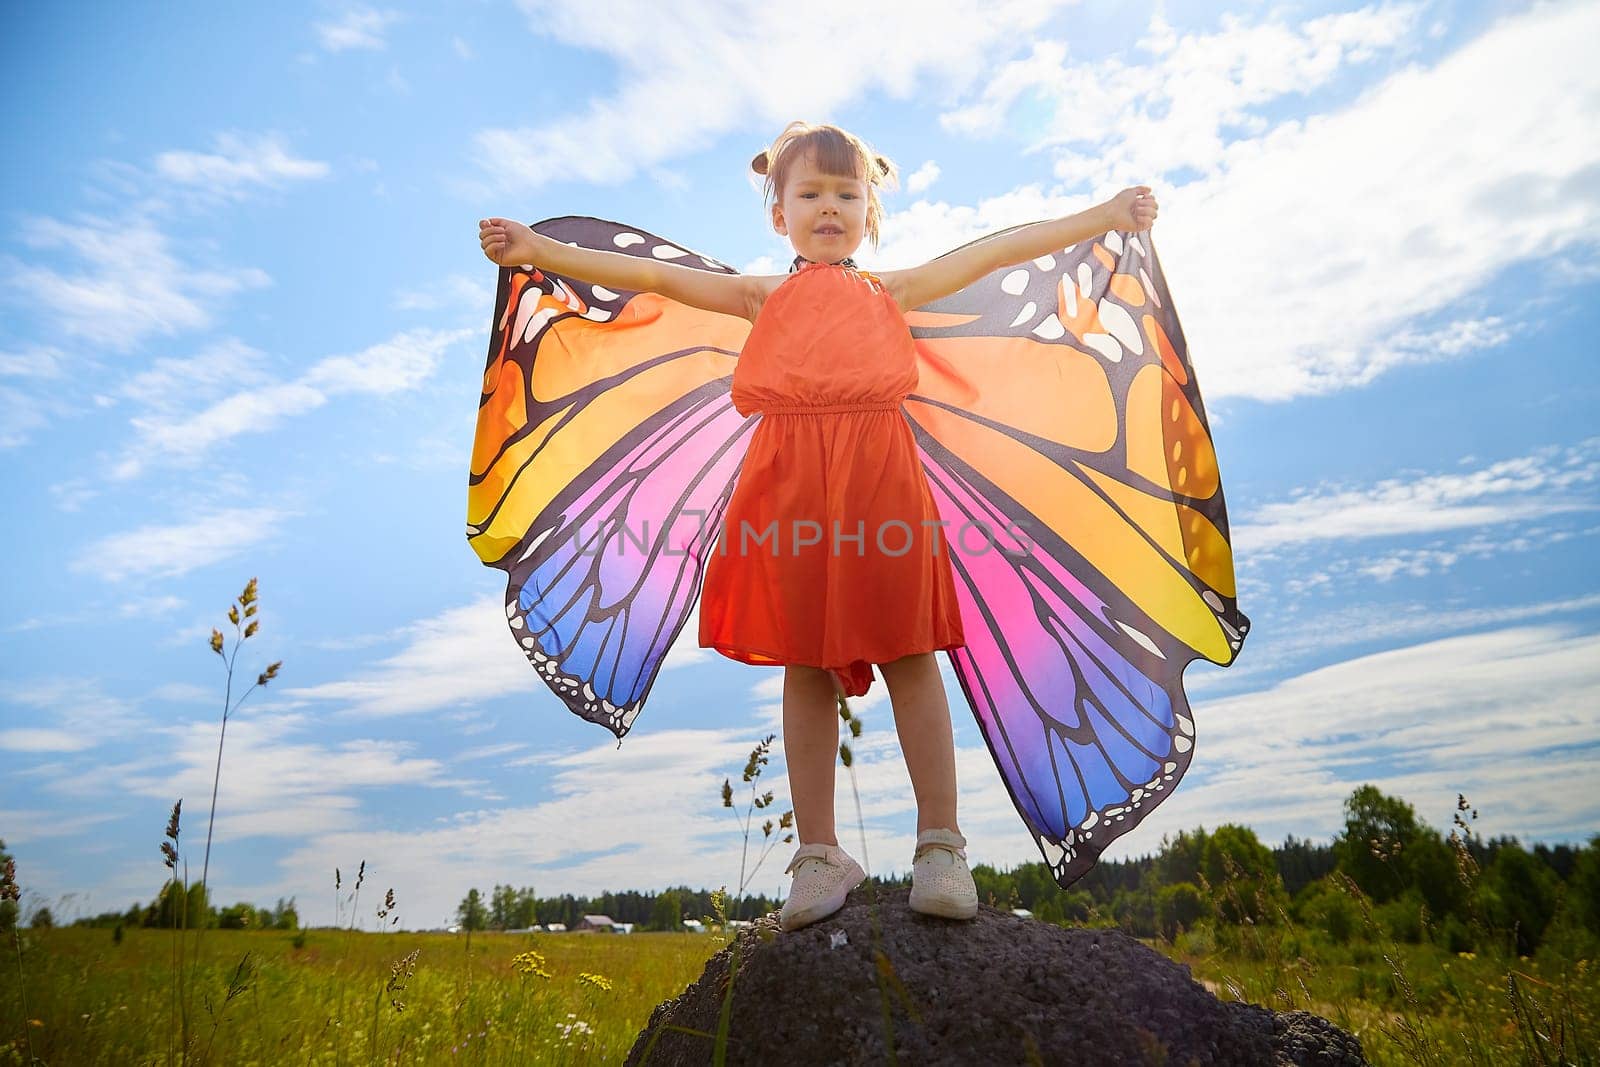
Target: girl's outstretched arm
[[1131, 209], [510, 243]]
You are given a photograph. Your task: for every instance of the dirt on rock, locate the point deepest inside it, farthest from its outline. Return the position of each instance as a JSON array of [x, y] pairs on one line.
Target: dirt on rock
[[1000, 989]]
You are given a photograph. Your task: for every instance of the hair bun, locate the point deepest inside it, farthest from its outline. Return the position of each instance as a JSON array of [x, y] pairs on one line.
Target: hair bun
[[761, 162]]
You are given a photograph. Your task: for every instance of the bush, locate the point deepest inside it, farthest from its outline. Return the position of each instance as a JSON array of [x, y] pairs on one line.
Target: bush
[[1402, 917], [1198, 940], [1323, 906], [1452, 935], [1179, 907], [1517, 892]]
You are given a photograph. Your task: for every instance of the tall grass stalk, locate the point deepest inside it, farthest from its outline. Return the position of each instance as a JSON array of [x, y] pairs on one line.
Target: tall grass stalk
[[771, 832], [9, 890], [186, 967], [240, 612]]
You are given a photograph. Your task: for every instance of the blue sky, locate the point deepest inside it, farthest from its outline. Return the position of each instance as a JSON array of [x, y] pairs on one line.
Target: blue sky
[[246, 314]]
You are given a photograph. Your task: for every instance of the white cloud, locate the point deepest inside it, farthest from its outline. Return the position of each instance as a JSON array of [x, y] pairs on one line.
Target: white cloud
[[70, 715], [922, 177], [20, 415], [134, 287], [468, 294], [240, 163], [39, 739], [927, 229], [273, 784], [169, 550], [34, 361], [693, 71], [362, 28], [455, 660], [1172, 111], [1552, 480], [399, 363], [171, 381], [1316, 253], [30, 827]]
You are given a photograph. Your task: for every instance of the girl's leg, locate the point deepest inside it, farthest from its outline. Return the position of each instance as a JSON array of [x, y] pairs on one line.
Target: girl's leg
[[810, 745], [922, 719]]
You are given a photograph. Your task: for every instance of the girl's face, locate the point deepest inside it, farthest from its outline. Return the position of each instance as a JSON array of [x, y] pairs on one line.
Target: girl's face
[[823, 215]]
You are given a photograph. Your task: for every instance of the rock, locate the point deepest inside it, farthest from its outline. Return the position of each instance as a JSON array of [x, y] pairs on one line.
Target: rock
[[998, 989]]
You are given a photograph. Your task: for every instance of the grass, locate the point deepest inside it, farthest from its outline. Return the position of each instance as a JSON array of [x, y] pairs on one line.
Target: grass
[[97, 1002]]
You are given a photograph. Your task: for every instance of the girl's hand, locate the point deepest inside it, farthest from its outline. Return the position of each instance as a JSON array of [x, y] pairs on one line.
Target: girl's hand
[[1132, 209], [506, 241]]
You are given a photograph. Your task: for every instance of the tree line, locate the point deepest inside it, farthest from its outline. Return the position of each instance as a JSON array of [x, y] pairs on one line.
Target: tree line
[[1459, 890]]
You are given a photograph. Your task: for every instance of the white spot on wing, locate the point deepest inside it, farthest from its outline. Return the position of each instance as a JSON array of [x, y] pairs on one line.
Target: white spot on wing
[[1104, 344], [1015, 282], [1028, 311], [1120, 325], [536, 322], [627, 240], [1141, 637], [1149, 287], [1050, 328]]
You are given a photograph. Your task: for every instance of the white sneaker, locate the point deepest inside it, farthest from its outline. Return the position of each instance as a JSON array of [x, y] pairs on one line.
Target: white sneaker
[[823, 877], [941, 884]]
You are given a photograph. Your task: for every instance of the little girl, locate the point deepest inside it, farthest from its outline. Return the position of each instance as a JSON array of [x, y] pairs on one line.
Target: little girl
[[830, 560]]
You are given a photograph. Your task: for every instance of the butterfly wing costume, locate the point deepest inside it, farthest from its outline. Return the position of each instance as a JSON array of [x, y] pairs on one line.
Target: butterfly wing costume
[[1055, 404]]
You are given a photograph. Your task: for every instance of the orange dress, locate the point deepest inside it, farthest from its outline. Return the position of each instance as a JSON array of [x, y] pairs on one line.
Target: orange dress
[[830, 553]]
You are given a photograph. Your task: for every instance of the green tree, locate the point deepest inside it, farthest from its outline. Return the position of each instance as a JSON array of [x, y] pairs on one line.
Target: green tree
[[667, 912], [524, 911], [285, 916], [42, 919], [1387, 851], [472, 915], [1518, 895], [1243, 875], [502, 907], [1583, 887], [1178, 907], [1180, 858]]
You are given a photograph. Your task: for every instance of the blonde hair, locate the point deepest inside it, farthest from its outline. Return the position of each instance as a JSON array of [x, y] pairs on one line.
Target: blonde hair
[[837, 152]]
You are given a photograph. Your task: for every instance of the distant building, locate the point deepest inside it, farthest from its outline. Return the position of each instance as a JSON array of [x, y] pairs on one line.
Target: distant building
[[694, 926], [556, 928], [622, 928], [599, 923]]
